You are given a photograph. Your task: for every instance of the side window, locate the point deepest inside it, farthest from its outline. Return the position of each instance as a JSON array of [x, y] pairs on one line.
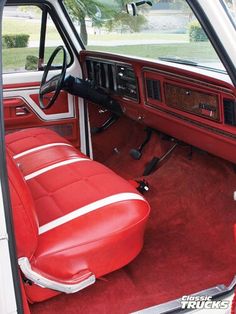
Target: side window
[[53, 39], [22, 31], [21, 36]]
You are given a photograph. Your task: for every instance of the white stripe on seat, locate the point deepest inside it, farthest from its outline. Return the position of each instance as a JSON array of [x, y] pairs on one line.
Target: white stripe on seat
[[59, 164], [89, 208], [32, 150]]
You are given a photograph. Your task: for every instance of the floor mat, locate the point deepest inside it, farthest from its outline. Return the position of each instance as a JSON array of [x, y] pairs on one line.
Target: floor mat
[[189, 243]]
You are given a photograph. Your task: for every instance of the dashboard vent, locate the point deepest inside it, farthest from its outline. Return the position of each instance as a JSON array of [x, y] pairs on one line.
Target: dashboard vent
[[153, 89], [101, 74], [90, 70], [113, 77], [229, 111]]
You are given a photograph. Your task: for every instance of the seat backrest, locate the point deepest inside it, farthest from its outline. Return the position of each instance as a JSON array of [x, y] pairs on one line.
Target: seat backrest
[[24, 214]]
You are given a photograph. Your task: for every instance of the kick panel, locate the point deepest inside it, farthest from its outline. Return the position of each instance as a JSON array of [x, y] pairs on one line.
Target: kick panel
[[193, 101]]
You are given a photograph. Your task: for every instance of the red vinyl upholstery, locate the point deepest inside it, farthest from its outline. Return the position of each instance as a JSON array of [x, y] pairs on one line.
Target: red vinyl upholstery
[[71, 215]]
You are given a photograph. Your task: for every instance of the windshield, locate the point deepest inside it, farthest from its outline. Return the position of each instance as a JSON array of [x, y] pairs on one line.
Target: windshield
[[167, 30]]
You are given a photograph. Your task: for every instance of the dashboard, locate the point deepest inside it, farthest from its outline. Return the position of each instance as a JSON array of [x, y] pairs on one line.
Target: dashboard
[[193, 105]]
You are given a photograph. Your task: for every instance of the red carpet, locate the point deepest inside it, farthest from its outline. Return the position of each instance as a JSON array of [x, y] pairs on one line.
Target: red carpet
[[189, 243]]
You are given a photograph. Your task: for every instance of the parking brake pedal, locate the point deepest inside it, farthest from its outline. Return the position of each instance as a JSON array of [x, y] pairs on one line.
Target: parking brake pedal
[[136, 153]]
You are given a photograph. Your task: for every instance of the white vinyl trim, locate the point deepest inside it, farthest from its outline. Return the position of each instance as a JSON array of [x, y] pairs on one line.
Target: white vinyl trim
[[88, 209], [82, 108], [82, 126], [35, 149], [90, 138], [24, 94], [59, 164], [85, 280]]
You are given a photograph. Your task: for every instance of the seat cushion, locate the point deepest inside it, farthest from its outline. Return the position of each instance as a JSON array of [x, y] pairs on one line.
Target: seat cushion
[[25, 140], [37, 148], [89, 218]]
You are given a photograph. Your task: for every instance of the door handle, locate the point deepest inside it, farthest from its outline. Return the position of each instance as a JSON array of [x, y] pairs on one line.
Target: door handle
[[21, 111]]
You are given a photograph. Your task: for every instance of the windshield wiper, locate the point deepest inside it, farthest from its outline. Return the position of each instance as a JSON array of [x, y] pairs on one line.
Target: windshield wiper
[[192, 63], [179, 61]]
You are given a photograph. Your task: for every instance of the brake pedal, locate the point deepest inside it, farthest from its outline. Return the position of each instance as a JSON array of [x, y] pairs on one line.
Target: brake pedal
[[153, 164]]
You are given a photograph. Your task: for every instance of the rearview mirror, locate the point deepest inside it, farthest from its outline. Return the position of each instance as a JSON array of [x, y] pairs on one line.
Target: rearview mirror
[[131, 7]]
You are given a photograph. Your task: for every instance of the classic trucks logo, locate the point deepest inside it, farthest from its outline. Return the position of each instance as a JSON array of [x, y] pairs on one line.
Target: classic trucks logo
[[203, 302]]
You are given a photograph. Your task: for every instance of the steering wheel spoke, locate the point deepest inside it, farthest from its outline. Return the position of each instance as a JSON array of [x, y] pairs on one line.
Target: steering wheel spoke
[[48, 88], [54, 84]]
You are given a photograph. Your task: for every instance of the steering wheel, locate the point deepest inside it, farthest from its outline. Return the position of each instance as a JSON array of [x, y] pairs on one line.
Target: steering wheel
[[53, 85]]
